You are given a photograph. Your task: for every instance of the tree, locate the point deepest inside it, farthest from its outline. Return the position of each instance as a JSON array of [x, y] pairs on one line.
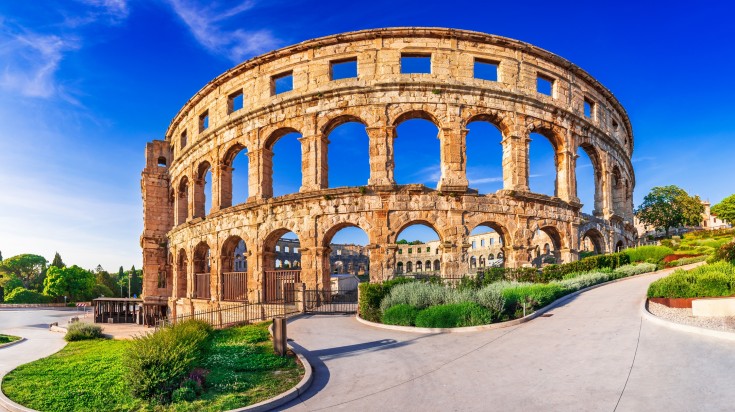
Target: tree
[[670, 206], [725, 210], [104, 278], [72, 282], [1, 256], [57, 261], [28, 269]]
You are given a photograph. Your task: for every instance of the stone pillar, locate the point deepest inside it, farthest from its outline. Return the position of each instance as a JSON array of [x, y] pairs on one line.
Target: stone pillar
[[378, 256], [223, 187], [381, 155], [321, 268], [215, 288], [453, 160], [199, 195], [566, 183], [314, 166], [454, 258], [260, 174], [515, 162], [607, 190]]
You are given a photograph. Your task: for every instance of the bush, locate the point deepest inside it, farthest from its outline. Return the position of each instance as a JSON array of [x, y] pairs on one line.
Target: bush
[[417, 294], [537, 295], [491, 297], [371, 294], [726, 252], [404, 315], [453, 316], [157, 363], [714, 280], [183, 394], [582, 281], [632, 270], [492, 275], [588, 264], [687, 261], [82, 331], [22, 295], [653, 254]]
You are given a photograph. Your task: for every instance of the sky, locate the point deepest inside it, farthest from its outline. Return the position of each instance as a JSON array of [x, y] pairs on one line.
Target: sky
[[84, 84]]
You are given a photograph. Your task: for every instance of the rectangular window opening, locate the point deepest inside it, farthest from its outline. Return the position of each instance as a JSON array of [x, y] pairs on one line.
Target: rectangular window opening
[[183, 139], [589, 108], [486, 70], [282, 83], [235, 102], [415, 63], [545, 84], [343, 69], [204, 121]]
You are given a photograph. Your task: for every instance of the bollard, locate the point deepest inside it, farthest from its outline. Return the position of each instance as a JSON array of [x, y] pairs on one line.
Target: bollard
[[279, 336]]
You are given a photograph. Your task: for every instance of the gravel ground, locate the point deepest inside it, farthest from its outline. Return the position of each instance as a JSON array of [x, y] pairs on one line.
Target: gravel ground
[[685, 317]]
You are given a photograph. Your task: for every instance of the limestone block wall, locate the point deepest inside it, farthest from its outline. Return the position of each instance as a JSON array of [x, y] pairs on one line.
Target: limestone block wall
[[381, 97]]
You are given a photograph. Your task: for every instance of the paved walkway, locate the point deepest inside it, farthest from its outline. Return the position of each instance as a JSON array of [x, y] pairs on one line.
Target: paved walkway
[[595, 353]]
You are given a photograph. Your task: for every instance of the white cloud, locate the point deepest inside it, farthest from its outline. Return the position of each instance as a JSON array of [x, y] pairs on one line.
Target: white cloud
[[206, 24], [486, 180], [113, 11]]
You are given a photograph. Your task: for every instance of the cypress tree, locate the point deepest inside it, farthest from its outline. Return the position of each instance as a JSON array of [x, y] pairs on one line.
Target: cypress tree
[[57, 261]]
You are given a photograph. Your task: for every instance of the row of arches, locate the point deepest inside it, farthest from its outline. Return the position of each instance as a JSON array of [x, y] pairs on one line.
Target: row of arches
[[346, 157]]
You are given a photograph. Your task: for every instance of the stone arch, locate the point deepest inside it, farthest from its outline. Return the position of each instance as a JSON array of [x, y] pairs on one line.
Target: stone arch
[[620, 245], [338, 146], [618, 191], [393, 238], [226, 170], [399, 267], [268, 181], [437, 265], [556, 136], [328, 123], [409, 267], [481, 157], [202, 271], [501, 230], [597, 173], [181, 274], [498, 119], [182, 199], [596, 241], [276, 135], [200, 195], [402, 113]]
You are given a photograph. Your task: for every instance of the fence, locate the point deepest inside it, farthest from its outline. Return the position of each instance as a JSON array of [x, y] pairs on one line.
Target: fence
[[324, 301], [280, 285], [201, 286], [235, 286], [238, 314]]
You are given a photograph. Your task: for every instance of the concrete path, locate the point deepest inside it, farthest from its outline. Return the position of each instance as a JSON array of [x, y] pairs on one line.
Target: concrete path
[[595, 353]]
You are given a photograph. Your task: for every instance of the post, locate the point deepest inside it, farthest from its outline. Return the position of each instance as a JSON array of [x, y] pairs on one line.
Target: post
[[279, 335], [301, 297]]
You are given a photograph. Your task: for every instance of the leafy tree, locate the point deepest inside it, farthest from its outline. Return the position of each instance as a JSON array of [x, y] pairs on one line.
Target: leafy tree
[[57, 261], [28, 269], [1, 256], [725, 210], [104, 278], [402, 242], [73, 282], [670, 206], [136, 283]]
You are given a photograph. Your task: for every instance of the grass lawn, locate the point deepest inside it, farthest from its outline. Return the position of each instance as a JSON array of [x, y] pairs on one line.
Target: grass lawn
[[8, 338], [88, 375]]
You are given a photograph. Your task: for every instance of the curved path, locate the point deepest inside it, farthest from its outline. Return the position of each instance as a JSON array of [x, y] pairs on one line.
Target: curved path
[[595, 353]]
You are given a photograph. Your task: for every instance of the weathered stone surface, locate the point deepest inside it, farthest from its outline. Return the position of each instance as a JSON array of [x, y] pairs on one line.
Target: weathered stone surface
[[179, 240]]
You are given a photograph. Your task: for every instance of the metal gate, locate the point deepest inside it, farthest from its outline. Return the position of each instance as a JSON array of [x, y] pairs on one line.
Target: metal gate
[[324, 301], [280, 285]]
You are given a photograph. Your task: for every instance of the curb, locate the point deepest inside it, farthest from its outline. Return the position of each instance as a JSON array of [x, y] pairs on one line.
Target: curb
[[290, 394], [696, 330], [11, 406], [514, 322], [15, 342]]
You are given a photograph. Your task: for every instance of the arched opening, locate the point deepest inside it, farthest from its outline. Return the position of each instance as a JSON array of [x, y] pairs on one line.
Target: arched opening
[[592, 243], [203, 186], [473, 262], [437, 265], [348, 154], [545, 246], [161, 161], [417, 150], [416, 242], [181, 274], [182, 201], [486, 239], [399, 268], [542, 165], [484, 155], [348, 256], [284, 168], [588, 176], [234, 277], [619, 246], [234, 176], [427, 266], [618, 191], [280, 277], [202, 271]]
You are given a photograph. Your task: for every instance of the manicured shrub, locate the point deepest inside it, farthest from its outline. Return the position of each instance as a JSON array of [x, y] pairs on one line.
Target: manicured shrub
[[371, 294], [491, 297], [453, 316], [687, 261], [492, 275], [536, 295], [653, 254], [157, 363], [82, 331], [632, 270], [726, 252], [588, 264], [22, 295], [404, 315], [586, 280], [713, 280], [417, 294]]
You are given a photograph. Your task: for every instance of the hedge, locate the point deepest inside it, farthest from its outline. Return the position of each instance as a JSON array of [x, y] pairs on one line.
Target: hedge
[[713, 280], [588, 264], [455, 315], [371, 294]]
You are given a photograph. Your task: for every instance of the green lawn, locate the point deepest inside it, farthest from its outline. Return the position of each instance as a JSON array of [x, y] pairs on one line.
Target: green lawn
[[8, 338], [88, 375]]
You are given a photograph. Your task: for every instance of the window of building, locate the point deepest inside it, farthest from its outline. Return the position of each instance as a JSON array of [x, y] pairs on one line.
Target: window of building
[[343, 69], [282, 83], [286, 249], [589, 108], [204, 121], [544, 84], [183, 139], [473, 244], [400, 251], [415, 63], [235, 102], [410, 250], [428, 249], [295, 250], [278, 248], [492, 241], [482, 242], [161, 280], [486, 70], [339, 251], [161, 161]]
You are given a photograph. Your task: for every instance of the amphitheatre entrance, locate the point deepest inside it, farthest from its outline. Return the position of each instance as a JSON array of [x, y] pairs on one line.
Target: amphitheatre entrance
[[216, 210]]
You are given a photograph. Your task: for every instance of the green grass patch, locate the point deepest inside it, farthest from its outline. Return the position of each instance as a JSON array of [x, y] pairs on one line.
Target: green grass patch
[[8, 338], [238, 367]]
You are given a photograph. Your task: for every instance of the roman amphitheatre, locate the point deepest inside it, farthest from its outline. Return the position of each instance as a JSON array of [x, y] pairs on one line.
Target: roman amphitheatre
[[191, 255]]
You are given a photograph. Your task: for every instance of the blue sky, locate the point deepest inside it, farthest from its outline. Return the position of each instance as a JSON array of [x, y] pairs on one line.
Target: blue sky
[[84, 84]]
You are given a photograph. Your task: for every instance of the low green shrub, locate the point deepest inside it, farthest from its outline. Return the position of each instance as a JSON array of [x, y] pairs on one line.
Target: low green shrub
[[404, 315], [7, 339], [22, 295], [536, 295], [492, 275], [687, 261], [453, 316], [586, 280], [157, 363], [371, 294], [417, 294], [726, 252], [491, 297], [183, 394], [82, 331], [653, 254], [713, 280], [588, 264], [637, 269]]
